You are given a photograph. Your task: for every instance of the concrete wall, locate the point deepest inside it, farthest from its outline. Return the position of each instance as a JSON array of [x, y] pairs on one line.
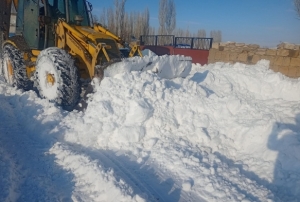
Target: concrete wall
[[285, 58]]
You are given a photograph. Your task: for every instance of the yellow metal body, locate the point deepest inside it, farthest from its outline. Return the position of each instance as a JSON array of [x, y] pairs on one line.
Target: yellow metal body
[[50, 79], [81, 42], [103, 30], [10, 69], [135, 50], [85, 44]]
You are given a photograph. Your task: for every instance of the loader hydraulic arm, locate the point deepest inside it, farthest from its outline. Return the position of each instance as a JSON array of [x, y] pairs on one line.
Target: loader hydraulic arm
[[135, 48], [100, 28], [78, 45]]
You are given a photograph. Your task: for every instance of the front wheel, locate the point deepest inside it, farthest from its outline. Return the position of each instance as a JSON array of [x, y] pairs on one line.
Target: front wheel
[[57, 78], [13, 68]]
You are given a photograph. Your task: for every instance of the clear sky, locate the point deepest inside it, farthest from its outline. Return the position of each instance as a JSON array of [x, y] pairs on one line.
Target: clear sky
[[264, 22]]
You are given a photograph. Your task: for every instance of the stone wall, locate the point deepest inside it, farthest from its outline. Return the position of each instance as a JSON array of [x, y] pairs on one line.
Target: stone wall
[[285, 58]]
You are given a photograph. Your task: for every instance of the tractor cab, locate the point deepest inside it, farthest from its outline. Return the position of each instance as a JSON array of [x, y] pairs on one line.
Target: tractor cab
[[36, 19], [54, 46]]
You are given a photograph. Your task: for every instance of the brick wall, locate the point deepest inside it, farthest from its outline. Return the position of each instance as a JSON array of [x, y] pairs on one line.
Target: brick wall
[[285, 58]]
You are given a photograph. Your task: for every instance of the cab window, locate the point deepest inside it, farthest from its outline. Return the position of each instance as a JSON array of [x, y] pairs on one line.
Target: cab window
[[78, 7]]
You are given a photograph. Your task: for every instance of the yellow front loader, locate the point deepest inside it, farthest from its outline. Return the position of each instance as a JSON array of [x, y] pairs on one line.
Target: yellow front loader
[[54, 48]]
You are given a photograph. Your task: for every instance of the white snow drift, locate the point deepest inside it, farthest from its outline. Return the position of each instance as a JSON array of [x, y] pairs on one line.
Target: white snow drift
[[218, 132]]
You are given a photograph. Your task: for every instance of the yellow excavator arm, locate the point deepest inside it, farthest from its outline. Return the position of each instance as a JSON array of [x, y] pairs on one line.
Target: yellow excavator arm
[[103, 30], [73, 39]]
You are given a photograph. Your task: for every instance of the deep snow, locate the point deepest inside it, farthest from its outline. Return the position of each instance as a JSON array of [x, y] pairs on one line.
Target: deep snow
[[222, 133]]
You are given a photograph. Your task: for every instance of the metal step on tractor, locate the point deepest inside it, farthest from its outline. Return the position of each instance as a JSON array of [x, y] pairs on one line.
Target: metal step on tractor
[[55, 47]]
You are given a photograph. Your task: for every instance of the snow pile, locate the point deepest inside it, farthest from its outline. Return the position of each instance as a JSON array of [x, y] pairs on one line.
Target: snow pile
[[147, 52], [218, 132], [165, 66]]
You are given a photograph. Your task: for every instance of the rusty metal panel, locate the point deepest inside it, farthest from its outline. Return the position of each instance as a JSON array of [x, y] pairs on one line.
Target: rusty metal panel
[[194, 47], [198, 56]]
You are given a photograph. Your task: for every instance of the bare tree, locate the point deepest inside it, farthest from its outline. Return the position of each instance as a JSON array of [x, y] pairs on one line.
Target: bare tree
[[167, 19], [167, 16], [95, 19], [103, 18], [162, 16], [137, 24], [146, 23], [152, 30], [201, 33], [219, 33], [126, 27], [129, 26], [297, 6], [187, 33], [116, 16], [119, 17], [170, 20], [216, 35], [111, 20], [122, 18]]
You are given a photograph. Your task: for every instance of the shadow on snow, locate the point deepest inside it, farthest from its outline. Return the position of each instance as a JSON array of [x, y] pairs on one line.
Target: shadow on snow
[[141, 178], [285, 138], [30, 173]]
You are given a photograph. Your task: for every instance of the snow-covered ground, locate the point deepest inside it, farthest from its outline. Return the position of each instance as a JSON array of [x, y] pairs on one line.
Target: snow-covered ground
[[222, 133]]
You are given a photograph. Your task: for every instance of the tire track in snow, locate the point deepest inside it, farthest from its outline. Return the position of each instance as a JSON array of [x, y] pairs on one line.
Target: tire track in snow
[[94, 181], [24, 142], [108, 163], [143, 185], [157, 187], [13, 177], [215, 178], [10, 129], [145, 182]]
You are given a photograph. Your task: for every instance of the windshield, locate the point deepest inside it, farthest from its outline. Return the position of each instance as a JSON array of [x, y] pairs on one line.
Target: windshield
[[56, 9], [78, 8]]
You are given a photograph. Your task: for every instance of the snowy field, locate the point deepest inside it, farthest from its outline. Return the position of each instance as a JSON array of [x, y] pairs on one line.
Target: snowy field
[[218, 132]]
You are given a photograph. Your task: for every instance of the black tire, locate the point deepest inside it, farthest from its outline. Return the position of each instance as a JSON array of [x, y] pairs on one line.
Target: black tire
[[14, 69], [63, 87]]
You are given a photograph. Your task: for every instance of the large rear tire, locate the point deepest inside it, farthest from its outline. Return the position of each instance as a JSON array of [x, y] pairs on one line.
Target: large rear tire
[[57, 78], [14, 69]]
